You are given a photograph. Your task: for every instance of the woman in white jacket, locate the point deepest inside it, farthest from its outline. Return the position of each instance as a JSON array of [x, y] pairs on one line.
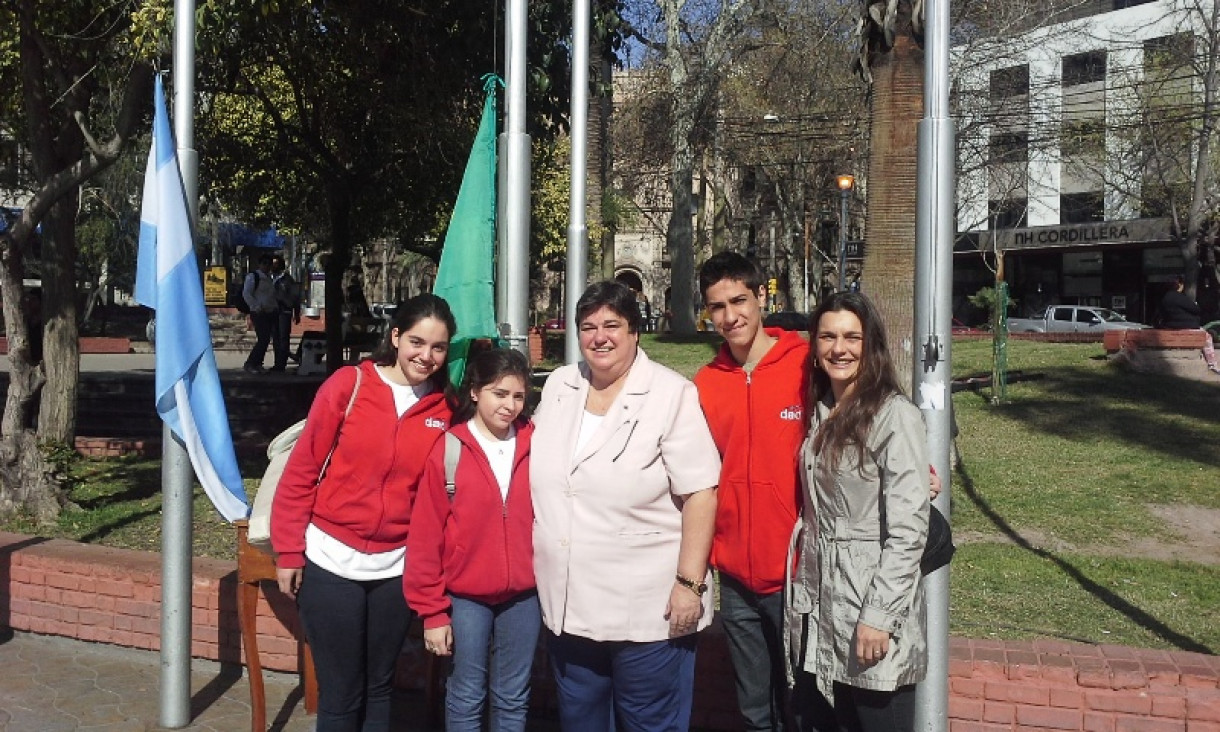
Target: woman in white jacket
[[856, 613]]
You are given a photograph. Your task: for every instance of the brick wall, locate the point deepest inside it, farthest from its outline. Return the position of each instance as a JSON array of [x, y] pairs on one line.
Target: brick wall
[[109, 595]]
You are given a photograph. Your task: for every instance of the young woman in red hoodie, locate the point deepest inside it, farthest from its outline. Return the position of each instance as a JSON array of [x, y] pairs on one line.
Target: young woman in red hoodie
[[341, 539], [470, 556]]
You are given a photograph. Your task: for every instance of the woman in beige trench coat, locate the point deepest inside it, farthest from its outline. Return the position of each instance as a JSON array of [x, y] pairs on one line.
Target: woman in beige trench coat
[[856, 612]]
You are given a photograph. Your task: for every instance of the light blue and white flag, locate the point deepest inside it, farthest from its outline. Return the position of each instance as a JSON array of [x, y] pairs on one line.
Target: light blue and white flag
[[189, 398]]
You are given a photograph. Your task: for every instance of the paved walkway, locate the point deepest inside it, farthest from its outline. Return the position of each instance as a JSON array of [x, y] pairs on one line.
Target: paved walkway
[[52, 684]]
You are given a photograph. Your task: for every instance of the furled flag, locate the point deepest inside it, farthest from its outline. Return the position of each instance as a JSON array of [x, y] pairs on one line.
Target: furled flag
[[464, 276], [188, 394]]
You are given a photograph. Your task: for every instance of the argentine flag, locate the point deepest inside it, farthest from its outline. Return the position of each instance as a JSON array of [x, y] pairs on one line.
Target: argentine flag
[[189, 398]]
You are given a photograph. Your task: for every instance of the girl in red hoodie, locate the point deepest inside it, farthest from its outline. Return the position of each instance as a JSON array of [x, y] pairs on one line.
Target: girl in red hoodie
[[341, 539], [470, 566]]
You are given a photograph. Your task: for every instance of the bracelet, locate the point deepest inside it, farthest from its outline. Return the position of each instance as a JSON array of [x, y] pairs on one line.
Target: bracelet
[[696, 587]]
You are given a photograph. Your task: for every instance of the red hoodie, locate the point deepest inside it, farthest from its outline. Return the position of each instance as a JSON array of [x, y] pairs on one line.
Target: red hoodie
[[477, 545], [757, 424], [365, 498]]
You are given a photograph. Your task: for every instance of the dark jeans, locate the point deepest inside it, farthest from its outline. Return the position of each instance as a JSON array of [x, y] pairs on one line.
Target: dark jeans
[[854, 710], [356, 630], [264, 328], [280, 338], [645, 687], [753, 627]]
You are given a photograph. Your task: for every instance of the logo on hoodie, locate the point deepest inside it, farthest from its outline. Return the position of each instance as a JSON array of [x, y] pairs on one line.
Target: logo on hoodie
[[791, 414], [434, 423]]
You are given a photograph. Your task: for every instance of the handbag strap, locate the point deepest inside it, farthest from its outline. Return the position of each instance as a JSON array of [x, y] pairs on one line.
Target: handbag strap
[[350, 401]]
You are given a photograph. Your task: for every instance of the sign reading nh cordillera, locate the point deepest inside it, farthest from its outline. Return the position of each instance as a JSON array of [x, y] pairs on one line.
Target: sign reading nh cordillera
[[1075, 235]]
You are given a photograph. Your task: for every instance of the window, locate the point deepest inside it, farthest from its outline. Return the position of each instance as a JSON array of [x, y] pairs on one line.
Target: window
[[1008, 213], [1081, 208], [1010, 82], [1083, 138], [1124, 4], [1009, 147], [1064, 314], [1084, 68], [1169, 53], [1088, 317]]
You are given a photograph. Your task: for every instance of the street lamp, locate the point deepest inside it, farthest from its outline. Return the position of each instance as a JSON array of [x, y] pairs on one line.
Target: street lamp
[[846, 183]]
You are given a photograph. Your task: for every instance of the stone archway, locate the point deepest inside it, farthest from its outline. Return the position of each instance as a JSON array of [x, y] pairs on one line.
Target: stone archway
[[632, 279]]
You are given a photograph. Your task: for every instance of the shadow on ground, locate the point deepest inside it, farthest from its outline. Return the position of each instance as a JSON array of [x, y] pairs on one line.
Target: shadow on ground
[[1134, 613]]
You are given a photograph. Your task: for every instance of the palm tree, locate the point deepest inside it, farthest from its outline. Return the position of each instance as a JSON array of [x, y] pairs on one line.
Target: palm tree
[[892, 60]]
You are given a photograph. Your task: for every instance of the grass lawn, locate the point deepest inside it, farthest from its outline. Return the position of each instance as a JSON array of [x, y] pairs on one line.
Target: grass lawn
[[1052, 504]]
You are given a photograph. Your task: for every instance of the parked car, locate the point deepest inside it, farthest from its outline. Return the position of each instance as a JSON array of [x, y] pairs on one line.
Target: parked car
[[553, 324], [1072, 319], [788, 320]]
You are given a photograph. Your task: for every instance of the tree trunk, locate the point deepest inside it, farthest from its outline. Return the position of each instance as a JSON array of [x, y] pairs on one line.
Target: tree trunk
[[680, 242], [599, 153], [896, 106], [336, 268], [26, 481], [61, 344]]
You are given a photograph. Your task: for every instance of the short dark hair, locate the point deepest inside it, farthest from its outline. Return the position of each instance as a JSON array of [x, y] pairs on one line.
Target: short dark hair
[[486, 368], [729, 266], [408, 314], [610, 294]]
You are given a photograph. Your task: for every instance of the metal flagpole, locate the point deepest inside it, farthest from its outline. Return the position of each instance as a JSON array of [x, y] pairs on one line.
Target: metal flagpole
[[177, 477], [515, 188], [578, 233], [934, 228]]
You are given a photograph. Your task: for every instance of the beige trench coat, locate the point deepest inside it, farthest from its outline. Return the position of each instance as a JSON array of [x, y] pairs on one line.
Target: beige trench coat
[[607, 523], [861, 538]]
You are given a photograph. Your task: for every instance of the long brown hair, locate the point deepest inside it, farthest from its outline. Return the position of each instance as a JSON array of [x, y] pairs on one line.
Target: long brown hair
[[875, 382]]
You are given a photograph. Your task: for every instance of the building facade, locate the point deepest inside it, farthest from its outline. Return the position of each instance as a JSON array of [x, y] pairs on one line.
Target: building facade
[[1077, 152]]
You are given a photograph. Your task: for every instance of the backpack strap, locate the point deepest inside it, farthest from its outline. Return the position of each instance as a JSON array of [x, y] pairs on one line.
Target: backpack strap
[[350, 401], [453, 451]]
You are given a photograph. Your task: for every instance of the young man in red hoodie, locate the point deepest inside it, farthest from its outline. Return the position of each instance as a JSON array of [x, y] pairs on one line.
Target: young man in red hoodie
[[751, 395]]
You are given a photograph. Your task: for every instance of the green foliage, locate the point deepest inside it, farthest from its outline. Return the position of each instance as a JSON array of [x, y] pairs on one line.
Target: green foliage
[[985, 299]]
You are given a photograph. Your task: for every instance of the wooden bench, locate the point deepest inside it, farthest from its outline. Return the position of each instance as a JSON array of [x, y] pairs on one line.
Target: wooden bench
[[1118, 340]]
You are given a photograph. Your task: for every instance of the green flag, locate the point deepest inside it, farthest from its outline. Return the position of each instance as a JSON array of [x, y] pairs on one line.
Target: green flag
[[464, 277]]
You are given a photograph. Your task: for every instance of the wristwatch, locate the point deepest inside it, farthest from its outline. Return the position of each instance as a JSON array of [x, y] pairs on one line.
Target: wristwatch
[[696, 587]]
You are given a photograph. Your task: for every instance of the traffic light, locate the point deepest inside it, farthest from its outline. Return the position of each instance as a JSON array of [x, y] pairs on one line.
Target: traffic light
[[772, 286]]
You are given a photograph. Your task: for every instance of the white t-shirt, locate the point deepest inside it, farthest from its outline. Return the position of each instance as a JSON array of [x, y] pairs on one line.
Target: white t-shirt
[[338, 558], [589, 422], [405, 395], [499, 454]]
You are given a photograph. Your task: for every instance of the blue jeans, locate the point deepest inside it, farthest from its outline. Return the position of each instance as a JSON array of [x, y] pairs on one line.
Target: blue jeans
[[493, 650], [356, 630], [646, 687], [753, 627]]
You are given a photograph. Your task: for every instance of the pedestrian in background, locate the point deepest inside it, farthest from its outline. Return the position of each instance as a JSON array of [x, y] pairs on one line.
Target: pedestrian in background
[[259, 293], [288, 311], [342, 511], [470, 554], [856, 619], [1180, 312]]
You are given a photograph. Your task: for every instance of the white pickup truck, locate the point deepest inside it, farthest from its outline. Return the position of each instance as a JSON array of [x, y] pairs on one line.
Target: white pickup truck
[[1072, 319]]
